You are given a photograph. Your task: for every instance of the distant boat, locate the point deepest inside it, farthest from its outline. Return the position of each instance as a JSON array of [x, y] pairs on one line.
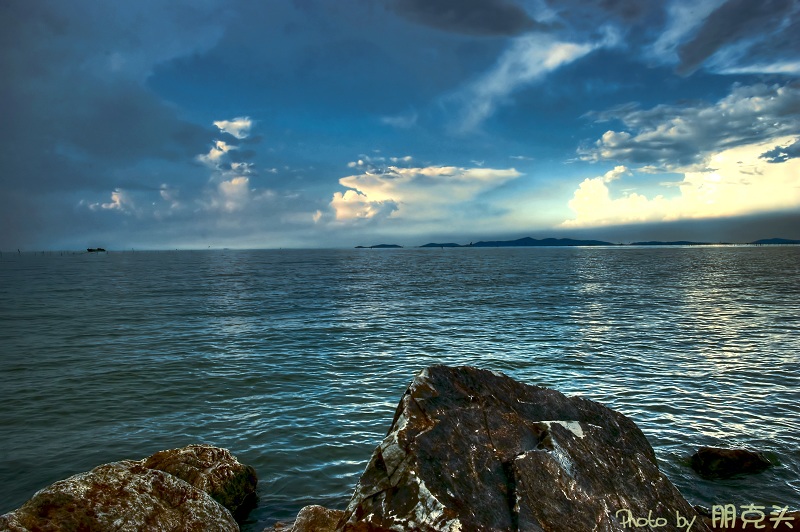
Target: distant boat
[[96, 250]]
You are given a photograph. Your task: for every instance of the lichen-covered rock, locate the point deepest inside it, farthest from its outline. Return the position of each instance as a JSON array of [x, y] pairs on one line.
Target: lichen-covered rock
[[712, 462], [470, 449], [122, 496], [198, 487], [213, 470]]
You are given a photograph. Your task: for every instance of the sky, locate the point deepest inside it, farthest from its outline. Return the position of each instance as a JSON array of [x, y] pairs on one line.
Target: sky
[[160, 124]]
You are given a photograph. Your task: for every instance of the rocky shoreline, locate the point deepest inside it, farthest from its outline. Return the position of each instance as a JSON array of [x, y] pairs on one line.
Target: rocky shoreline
[[468, 449], [198, 487]]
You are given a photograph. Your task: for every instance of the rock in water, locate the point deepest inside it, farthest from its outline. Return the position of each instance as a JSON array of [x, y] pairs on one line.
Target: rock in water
[[213, 470], [312, 518], [124, 496], [471, 449], [198, 487], [712, 462]]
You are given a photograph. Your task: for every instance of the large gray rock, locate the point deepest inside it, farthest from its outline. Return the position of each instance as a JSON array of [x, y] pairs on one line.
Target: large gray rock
[[470, 449], [142, 495]]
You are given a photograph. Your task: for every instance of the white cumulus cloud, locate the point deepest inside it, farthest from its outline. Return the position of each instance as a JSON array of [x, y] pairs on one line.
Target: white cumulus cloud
[[353, 205], [215, 155], [238, 127], [121, 201], [737, 181], [418, 193], [234, 194]]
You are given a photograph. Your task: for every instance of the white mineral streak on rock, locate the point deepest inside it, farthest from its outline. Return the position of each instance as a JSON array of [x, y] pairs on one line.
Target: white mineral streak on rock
[[562, 458], [572, 426], [429, 510], [393, 455]]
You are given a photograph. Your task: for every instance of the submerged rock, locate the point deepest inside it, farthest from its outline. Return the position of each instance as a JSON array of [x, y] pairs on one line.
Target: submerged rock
[[713, 462], [142, 495], [470, 449]]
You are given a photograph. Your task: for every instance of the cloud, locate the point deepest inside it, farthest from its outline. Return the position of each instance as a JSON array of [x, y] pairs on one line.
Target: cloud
[[624, 10], [728, 37], [739, 181], [234, 194], [735, 24], [785, 67], [414, 193], [615, 174], [672, 137], [231, 190], [683, 19], [401, 121], [215, 155], [781, 154], [79, 119], [238, 127], [227, 190], [528, 60], [353, 205], [472, 17], [120, 201]]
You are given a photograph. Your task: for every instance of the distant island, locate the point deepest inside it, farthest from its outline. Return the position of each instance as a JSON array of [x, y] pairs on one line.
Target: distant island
[[671, 243], [774, 241], [528, 241], [762, 242], [570, 242], [522, 242]]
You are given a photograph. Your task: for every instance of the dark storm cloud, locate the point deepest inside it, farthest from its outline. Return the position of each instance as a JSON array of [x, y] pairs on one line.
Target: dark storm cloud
[[78, 121], [782, 154], [733, 21], [74, 88], [472, 17], [784, 42], [635, 20], [623, 10]]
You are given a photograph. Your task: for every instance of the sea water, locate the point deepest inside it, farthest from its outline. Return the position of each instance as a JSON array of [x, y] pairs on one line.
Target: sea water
[[295, 360]]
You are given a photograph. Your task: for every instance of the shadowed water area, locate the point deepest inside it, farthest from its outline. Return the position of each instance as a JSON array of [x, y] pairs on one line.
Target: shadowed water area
[[295, 360]]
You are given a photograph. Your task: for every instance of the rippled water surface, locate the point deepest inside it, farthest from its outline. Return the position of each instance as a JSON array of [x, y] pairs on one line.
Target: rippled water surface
[[295, 360]]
